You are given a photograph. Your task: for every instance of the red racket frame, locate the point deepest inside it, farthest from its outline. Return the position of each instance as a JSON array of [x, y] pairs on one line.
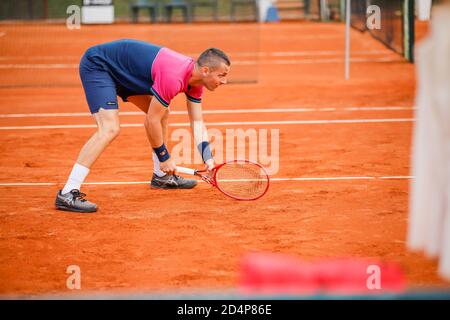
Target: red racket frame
[[213, 180]]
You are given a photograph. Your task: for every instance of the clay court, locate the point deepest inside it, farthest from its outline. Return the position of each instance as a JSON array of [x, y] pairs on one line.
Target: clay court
[[341, 189]]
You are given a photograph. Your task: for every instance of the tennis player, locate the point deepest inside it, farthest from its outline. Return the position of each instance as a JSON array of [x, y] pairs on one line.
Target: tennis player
[[149, 76]]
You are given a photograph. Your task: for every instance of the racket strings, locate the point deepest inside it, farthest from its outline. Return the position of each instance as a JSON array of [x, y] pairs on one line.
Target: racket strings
[[242, 180]]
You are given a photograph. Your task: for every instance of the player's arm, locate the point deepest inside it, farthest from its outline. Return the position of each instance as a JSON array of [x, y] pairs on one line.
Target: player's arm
[[154, 127], [200, 132]]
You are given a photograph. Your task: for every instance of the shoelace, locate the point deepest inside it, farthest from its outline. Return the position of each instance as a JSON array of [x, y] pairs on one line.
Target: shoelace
[[78, 195]]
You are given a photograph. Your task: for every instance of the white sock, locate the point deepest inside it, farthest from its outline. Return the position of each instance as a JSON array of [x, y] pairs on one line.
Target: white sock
[[156, 167], [76, 178]]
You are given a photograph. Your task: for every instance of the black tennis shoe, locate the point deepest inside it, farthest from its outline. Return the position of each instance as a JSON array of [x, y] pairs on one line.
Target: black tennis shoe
[[172, 181], [74, 201]]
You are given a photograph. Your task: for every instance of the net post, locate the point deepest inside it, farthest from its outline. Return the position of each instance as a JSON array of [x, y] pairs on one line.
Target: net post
[[408, 27], [347, 39]]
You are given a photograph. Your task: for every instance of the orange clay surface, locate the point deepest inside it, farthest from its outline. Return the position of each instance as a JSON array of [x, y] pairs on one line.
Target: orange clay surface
[[146, 240]]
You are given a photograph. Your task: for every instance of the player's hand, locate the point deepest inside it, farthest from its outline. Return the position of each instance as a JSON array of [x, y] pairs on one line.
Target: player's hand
[[209, 167], [168, 166]]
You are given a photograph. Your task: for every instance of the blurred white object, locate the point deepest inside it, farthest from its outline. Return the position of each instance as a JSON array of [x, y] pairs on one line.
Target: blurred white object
[[97, 14], [324, 10], [263, 6], [429, 217], [423, 9]]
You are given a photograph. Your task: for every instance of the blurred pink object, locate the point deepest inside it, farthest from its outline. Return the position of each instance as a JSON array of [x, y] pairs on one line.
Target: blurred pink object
[[268, 273]]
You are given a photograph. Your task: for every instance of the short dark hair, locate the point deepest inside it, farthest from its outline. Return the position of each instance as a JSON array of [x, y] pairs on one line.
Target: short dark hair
[[211, 56]]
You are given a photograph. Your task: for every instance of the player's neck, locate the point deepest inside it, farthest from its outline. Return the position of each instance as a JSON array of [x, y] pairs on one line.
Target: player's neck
[[196, 77]]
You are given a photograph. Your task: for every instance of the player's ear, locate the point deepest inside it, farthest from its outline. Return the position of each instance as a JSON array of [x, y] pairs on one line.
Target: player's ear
[[205, 70]]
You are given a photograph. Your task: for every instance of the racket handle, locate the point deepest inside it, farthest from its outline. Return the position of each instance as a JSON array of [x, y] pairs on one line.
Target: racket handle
[[186, 170]]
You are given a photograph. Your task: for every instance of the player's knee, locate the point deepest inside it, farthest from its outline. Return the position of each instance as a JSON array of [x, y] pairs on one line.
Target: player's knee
[[114, 131], [110, 132]]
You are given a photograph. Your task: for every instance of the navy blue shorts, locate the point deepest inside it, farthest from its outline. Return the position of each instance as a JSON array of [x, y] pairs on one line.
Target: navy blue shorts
[[100, 88]]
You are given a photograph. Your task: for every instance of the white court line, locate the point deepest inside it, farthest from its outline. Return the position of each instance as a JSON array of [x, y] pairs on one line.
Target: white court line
[[302, 53], [320, 53], [297, 122], [232, 54], [227, 111], [398, 177], [47, 115], [31, 58], [296, 35], [315, 61], [40, 66], [27, 184], [235, 62], [186, 124], [110, 183]]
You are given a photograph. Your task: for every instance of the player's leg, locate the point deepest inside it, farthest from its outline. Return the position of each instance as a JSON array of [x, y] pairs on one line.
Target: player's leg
[[159, 178], [70, 198], [101, 96], [108, 128], [143, 103]]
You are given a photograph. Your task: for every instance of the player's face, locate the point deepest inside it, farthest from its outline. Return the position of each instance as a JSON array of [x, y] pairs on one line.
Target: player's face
[[216, 77]]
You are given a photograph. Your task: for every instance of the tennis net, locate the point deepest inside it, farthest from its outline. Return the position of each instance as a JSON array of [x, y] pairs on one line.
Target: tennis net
[[397, 23], [38, 49]]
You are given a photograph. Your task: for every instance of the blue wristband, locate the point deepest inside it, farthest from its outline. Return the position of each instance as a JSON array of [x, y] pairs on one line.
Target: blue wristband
[[162, 153], [205, 151]]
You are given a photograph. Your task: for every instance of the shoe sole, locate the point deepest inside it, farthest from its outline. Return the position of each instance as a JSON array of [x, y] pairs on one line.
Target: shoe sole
[[65, 208]]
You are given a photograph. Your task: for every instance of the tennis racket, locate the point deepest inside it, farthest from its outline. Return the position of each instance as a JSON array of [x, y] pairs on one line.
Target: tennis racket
[[238, 179]]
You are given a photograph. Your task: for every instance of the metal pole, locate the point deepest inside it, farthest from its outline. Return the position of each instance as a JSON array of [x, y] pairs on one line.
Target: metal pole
[[30, 10], [45, 9], [347, 40]]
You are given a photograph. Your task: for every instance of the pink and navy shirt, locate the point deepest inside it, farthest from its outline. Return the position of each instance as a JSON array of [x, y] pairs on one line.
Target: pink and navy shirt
[[139, 68]]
